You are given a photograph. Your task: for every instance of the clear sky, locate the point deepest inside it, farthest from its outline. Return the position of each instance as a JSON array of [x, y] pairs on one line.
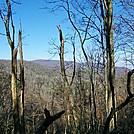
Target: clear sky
[[39, 27]]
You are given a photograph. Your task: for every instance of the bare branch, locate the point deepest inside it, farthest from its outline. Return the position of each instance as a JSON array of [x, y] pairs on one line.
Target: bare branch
[[123, 104], [127, 23], [74, 60], [49, 120]]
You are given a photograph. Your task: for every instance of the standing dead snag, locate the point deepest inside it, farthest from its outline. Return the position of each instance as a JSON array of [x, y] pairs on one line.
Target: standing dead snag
[[62, 65], [49, 120], [68, 98], [15, 109], [6, 16], [22, 84]]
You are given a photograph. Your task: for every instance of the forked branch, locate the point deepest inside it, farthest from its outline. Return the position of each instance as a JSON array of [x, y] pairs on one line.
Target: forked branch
[[49, 120]]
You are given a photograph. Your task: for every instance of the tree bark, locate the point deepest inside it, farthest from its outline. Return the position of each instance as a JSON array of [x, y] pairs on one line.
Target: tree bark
[[108, 23], [14, 92], [64, 77], [22, 84], [68, 98]]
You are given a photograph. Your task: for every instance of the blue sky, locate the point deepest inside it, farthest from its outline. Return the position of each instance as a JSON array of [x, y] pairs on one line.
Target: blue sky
[[38, 29]]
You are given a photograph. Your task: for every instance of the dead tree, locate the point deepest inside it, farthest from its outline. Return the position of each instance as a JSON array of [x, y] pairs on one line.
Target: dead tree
[[68, 99], [48, 120], [10, 34], [22, 85]]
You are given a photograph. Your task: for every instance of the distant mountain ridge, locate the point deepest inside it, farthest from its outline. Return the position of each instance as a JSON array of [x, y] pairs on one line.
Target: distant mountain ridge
[[55, 64], [48, 63], [120, 71]]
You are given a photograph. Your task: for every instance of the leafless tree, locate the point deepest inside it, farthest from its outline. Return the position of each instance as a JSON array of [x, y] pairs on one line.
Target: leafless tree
[[8, 20], [68, 98]]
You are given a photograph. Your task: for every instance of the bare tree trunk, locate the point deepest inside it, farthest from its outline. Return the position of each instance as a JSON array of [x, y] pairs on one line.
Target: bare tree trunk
[[104, 54], [94, 98], [68, 98], [14, 92], [108, 23], [22, 84], [7, 19], [64, 77]]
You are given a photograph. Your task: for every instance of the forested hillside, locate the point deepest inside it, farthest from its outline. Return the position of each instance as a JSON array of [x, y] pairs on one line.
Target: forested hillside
[[43, 88]]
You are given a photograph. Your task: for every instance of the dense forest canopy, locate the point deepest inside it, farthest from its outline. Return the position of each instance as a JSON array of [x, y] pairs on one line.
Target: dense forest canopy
[[88, 95]]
